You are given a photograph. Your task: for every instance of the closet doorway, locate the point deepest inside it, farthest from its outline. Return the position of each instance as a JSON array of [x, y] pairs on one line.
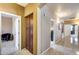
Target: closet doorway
[[10, 33], [29, 32]]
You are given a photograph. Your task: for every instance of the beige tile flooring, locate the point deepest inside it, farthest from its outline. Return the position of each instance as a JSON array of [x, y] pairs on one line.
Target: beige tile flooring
[[69, 42], [52, 51], [22, 52], [62, 48], [59, 50]]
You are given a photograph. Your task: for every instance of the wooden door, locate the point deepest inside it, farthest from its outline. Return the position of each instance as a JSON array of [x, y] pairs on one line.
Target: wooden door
[[29, 32]]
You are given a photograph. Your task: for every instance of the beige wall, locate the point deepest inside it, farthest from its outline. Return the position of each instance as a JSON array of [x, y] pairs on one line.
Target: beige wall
[[6, 25], [72, 21], [15, 9]]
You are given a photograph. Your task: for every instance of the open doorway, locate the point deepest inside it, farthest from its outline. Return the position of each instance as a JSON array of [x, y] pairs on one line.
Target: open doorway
[[52, 32], [71, 36], [10, 33]]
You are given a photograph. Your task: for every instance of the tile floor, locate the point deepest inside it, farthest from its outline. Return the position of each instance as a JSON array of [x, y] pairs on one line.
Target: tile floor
[[69, 42], [59, 50]]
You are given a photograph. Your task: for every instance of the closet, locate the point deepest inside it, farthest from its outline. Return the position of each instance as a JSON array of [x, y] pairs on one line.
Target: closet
[[29, 32]]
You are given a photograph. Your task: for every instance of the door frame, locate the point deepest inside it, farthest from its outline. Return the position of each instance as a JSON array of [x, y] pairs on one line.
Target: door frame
[[19, 18]]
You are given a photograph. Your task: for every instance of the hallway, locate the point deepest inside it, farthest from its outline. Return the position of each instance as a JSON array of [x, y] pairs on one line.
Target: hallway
[[59, 50]]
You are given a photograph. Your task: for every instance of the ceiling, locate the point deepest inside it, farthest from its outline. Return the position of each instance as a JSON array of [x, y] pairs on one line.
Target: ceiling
[[22, 4], [68, 10], [65, 11]]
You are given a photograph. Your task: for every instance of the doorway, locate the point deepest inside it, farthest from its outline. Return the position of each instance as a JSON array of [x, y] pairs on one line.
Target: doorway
[[10, 33], [71, 36], [29, 32], [52, 32]]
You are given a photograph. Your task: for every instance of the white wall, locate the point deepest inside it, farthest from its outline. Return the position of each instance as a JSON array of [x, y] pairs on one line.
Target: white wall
[[38, 31], [67, 30], [6, 25], [76, 30], [45, 29], [15, 31], [55, 30]]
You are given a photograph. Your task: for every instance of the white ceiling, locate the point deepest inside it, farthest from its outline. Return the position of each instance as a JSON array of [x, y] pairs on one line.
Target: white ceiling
[[69, 10], [22, 4]]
